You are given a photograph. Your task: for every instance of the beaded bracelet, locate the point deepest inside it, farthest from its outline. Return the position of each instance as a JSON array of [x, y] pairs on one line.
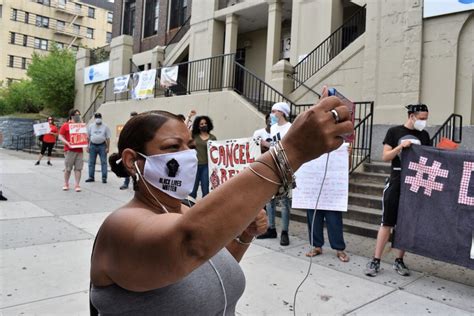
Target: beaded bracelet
[[237, 239]]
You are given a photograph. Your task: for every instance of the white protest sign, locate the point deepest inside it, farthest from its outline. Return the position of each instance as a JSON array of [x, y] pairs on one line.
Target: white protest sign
[[41, 128], [145, 85], [335, 191], [168, 76], [227, 158], [121, 84]]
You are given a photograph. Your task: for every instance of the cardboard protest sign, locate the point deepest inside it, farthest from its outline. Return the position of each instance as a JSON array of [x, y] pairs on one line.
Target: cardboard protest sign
[[227, 158], [78, 135], [436, 211], [41, 128], [335, 190]]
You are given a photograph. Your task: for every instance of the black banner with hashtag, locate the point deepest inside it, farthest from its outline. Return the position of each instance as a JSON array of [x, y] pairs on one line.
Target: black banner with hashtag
[[436, 210]]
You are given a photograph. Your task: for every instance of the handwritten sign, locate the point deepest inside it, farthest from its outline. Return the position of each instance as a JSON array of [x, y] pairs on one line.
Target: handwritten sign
[[78, 135], [41, 128], [335, 191], [229, 157]]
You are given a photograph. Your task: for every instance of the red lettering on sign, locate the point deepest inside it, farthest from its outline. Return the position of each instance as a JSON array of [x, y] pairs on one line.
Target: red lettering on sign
[[212, 150], [247, 150]]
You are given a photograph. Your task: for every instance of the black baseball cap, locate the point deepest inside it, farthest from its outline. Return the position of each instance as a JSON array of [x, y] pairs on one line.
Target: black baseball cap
[[98, 115]]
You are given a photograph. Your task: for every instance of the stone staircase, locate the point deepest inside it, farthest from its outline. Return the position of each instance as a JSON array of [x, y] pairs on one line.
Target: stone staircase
[[365, 200]]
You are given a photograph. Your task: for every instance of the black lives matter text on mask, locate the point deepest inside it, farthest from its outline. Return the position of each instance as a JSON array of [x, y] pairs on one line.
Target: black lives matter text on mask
[[170, 185]]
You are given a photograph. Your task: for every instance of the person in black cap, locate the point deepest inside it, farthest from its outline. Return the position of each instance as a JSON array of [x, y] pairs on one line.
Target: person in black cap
[[397, 138], [99, 142]]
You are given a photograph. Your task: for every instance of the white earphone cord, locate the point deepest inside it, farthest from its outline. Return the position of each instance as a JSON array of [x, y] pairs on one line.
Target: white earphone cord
[[311, 234]]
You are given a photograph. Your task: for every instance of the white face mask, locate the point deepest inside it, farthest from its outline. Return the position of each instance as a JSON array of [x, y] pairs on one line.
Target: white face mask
[[419, 125], [172, 173], [98, 121]]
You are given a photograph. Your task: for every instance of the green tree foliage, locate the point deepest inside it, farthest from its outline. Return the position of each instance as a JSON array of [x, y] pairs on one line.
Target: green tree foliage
[[21, 96], [52, 76]]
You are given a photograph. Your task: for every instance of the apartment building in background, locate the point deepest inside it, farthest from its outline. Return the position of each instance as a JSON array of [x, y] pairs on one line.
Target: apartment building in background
[[28, 26]]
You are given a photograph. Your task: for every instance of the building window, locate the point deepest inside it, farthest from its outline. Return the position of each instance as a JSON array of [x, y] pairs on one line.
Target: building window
[[44, 2], [110, 17], [128, 27], [90, 33], [152, 10], [74, 48], [42, 21], [41, 43], [12, 38], [91, 12], [23, 63], [108, 37], [60, 45], [60, 25], [25, 40], [62, 4], [1, 10], [27, 17], [14, 14], [11, 60], [178, 13], [78, 7], [76, 28]]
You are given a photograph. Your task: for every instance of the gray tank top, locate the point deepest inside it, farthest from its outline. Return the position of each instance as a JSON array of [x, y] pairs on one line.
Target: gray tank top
[[199, 293]]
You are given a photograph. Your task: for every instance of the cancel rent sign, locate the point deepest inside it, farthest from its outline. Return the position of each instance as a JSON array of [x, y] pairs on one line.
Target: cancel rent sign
[[436, 212]]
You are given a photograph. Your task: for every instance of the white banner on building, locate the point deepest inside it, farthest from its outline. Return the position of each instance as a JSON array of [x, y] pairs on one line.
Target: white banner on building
[[335, 192], [227, 158], [144, 84], [96, 73], [41, 128], [441, 7], [169, 76], [121, 84]]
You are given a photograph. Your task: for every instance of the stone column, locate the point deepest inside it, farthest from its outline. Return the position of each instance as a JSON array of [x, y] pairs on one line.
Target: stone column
[[280, 80], [230, 46], [273, 37], [158, 58], [82, 92], [121, 51]]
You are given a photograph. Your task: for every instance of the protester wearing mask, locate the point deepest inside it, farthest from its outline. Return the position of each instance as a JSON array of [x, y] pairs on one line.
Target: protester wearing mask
[[201, 134], [263, 135], [48, 140], [73, 156], [397, 138], [279, 127], [154, 255], [99, 142]]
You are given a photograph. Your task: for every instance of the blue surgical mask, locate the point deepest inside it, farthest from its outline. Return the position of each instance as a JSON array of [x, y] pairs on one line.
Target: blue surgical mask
[[273, 119]]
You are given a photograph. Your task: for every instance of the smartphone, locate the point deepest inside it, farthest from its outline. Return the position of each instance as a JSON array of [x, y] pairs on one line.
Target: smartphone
[[350, 106]]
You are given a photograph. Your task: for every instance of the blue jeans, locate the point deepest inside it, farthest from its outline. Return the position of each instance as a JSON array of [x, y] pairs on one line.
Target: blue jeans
[[100, 150], [202, 176], [126, 182], [285, 213], [334, 226]]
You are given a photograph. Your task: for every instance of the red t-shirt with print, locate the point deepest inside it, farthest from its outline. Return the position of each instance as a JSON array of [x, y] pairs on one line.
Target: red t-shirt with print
[[64, 131], [50, 138]]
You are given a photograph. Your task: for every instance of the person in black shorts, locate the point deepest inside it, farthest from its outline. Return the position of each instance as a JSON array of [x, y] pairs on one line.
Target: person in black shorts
[[47, 141], [397, 138]]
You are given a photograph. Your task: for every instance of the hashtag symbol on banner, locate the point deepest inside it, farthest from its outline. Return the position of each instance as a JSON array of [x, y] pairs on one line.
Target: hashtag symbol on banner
[[432, 172]]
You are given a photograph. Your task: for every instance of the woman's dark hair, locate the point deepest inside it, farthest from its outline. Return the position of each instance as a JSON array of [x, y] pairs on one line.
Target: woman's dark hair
[[198, 119], [136, 133], [72, 112], [52, 120]]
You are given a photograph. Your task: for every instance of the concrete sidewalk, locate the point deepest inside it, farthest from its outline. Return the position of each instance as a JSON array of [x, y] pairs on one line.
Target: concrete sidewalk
[[47, 236]]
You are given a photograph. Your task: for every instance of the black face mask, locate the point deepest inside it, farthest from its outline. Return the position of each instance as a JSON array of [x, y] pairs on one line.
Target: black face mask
[[203, 128]]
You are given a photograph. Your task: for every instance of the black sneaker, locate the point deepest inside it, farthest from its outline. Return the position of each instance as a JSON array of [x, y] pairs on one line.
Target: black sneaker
[[104, 180], [372, 268], [90, 180], [37, 163], [284, 239], [270, 233], [401, 268], [123, 187], [2, 198], [49, 163]]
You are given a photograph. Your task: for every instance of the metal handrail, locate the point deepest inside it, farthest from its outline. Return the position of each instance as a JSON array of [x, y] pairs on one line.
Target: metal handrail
[[183, 29], [330, 47], [451, 129]]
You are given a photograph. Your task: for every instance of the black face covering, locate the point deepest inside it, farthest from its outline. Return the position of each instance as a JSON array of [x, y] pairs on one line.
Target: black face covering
[[76, 118], [203, 129]]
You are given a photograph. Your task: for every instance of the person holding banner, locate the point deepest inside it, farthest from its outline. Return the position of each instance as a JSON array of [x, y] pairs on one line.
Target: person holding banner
[[73, 149], [279, 127], [154, 255], [397, 138], [201, 132], [47, 141]]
